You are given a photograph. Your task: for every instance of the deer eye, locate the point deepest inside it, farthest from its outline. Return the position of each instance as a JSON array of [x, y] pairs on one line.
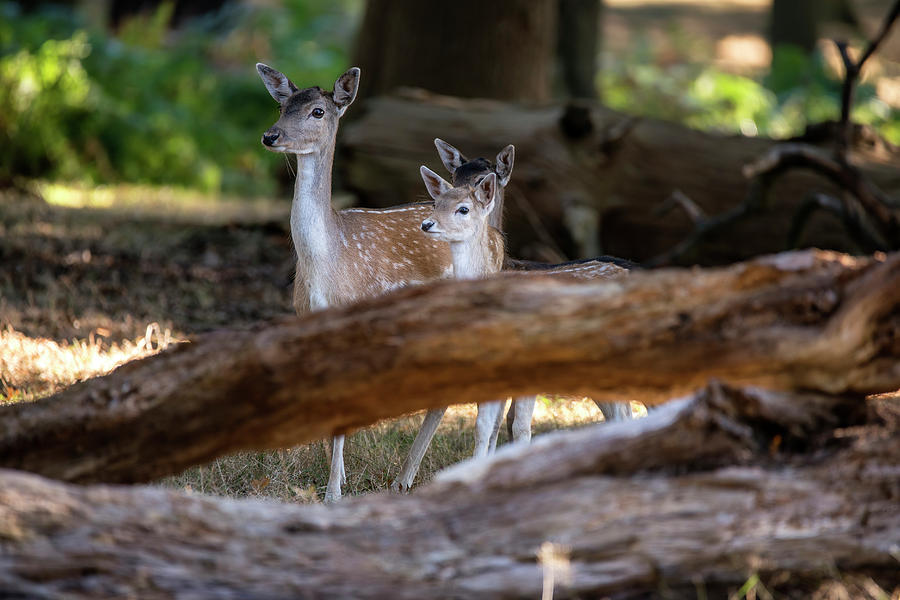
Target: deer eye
[[318, 113], [463, 210]]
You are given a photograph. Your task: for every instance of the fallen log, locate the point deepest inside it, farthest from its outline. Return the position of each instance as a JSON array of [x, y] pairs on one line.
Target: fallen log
[[590, 180], [693, 500], [805, 320]]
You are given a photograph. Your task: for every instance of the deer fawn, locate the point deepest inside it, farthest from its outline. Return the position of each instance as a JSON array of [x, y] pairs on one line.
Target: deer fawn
[[462, 217], [466, 172], [467, 177], [486, 239], [352, 254]]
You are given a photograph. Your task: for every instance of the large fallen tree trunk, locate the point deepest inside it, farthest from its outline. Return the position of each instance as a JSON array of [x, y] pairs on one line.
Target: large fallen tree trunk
[[804, 320], [585, 162], [691, 501]]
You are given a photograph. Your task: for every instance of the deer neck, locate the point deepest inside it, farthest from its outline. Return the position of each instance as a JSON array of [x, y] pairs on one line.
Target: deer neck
[[314, 223], [474, 258]]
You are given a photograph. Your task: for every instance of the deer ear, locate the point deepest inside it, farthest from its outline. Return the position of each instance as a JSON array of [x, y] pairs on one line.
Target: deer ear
[[434, 183], [345, 89], [485, 190], [276, 82], [505, 161], [450, 156]]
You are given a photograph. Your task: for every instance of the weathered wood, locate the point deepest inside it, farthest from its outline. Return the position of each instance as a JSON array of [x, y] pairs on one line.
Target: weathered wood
[[804, 320], [700, 495], [583, 161]]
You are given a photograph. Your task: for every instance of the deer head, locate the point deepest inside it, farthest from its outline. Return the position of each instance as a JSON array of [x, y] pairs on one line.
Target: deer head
[[468, 172], [309, 117], [460, 213]]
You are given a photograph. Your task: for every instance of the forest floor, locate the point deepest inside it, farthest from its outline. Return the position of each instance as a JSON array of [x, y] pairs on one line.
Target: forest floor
[[90, 280]]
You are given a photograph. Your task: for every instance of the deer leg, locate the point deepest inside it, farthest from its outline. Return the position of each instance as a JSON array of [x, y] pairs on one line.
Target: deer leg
[[495, 432], [524, 411], [484, 426], [614, 411], [417, 451], [337, 474]]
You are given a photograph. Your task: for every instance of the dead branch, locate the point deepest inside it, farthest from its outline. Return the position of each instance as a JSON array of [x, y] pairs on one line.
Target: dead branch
[[705, 492], [681, 200], [848, 212], [703, 225], [806, 320], [852, 70]]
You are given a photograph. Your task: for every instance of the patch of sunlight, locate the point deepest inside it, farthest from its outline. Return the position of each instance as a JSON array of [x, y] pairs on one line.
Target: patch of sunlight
[[31, 368], [565, 411], [549, 412], [169, 203], [748, 52], [888, 89]]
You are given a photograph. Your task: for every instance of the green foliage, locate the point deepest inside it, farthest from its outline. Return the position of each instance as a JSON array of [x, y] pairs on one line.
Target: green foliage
[[154, 106], [798, 90]]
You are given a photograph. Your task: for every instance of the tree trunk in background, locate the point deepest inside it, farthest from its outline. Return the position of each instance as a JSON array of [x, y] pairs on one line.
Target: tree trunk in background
[[467, 48], [578, 37], [795, 23]]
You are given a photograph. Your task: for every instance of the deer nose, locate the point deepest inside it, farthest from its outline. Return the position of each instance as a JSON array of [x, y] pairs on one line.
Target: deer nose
[[269, 137], [426, 225]]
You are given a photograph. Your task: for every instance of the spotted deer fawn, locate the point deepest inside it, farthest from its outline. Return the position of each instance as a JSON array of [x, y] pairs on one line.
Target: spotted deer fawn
[[462, 218], [342, 256], [466, 172], [467, 176]]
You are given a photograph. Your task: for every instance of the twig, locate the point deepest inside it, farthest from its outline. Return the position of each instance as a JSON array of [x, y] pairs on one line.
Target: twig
[[706, 226], [786, 156], [802, 156], [679, 198], [871, 220], [848, 211], [852, 70]]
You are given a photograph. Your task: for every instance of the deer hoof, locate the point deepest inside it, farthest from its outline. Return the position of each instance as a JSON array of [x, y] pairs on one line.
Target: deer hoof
[[399, 488]]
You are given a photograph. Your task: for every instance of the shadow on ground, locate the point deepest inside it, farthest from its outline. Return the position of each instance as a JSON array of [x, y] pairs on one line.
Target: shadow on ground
[[68, 272]]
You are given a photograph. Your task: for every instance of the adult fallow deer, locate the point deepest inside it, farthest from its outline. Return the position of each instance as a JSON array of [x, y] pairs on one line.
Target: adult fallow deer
[[342, 256]]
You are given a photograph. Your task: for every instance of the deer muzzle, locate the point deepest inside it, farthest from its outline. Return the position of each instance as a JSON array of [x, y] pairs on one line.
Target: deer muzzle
[[270, 137]]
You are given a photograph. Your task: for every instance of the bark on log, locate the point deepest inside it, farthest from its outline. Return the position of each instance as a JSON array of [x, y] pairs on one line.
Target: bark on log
[[698, 495], [803, 320], [585, 162]]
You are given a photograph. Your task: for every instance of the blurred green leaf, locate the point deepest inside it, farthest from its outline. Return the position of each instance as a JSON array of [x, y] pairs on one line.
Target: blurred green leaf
[[797, 91], [152, 105]]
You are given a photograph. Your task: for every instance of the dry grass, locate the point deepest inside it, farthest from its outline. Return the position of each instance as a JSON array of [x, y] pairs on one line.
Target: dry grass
[[373, 456], [31, 368]]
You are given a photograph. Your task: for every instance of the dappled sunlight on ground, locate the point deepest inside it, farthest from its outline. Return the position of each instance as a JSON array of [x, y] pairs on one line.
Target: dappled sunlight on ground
[[31, 368], [170, 203]]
